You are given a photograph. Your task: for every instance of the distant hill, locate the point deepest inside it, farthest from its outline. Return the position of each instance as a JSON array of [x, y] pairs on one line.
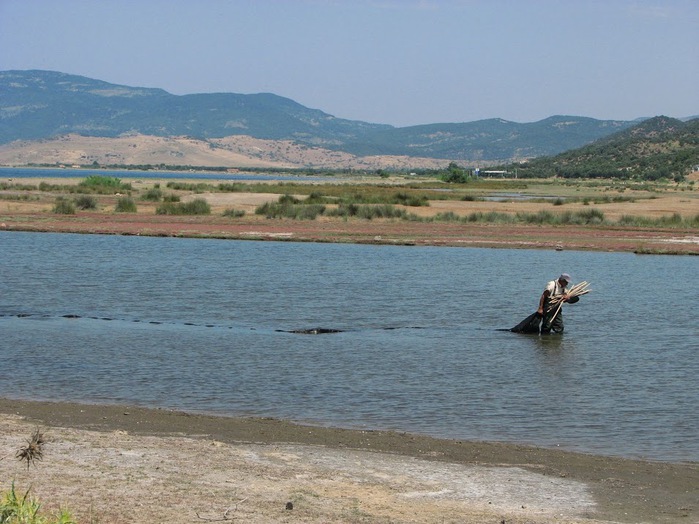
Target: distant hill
[[44, 104], [659, 147], [38, 105], [489, 140]]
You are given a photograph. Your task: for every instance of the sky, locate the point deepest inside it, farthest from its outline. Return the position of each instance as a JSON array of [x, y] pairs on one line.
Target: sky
[[398, 62]]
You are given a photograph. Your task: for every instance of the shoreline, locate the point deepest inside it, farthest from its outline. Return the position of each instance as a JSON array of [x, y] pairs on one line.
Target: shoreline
[[593, 488], [641, 241]]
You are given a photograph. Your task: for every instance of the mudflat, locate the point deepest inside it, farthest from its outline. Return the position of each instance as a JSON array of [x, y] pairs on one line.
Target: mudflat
[[113, 464]]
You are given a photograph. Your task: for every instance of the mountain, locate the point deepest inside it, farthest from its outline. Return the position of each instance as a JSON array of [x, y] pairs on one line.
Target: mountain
[[39, 105], [660, 147], [43, 104]]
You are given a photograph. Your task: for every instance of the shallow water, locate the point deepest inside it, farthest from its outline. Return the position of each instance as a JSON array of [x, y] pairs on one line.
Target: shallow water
[[203, 325]]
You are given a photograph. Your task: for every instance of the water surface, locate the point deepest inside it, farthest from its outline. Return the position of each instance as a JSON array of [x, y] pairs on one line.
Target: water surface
[[202, 325]]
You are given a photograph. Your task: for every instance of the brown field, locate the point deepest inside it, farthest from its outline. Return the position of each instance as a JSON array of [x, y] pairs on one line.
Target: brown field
[[34, 213]]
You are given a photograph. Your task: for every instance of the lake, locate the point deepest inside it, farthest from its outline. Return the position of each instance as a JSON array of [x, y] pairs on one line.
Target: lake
[[204, 325]]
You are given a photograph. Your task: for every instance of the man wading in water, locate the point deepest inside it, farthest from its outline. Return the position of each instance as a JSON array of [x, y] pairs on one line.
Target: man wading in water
[[553, 289]]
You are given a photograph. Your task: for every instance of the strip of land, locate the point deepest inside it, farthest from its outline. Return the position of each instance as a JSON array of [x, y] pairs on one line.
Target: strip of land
[[127, 464], [32, 210]]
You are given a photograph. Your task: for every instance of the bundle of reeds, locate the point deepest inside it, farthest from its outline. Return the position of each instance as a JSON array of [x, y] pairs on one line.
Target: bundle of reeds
[[555, 303]]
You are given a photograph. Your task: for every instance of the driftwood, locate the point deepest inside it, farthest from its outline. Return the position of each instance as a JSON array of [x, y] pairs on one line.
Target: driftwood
[[575, 292]]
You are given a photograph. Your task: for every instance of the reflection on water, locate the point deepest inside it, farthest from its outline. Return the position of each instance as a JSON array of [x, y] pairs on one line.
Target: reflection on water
[[203, 325]]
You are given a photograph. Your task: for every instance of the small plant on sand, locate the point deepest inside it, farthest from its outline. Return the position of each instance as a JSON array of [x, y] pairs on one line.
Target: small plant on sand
[[125, 205], [16, 509], [34, 450], [64, 206]]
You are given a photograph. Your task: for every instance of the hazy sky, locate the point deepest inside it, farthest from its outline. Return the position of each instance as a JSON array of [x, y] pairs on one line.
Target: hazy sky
[[399, 62]]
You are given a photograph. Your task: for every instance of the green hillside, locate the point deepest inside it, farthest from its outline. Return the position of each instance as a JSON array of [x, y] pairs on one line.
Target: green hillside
[[659, 147]]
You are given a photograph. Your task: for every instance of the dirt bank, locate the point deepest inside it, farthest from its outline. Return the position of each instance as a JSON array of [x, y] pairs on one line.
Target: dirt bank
[[395, 232], [125, 464]]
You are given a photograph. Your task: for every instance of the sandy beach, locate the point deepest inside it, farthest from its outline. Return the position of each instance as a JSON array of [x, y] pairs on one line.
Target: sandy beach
[[117, 464]]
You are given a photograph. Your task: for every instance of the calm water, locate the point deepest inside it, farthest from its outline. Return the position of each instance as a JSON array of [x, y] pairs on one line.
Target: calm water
[[20, 172], [195, 325]]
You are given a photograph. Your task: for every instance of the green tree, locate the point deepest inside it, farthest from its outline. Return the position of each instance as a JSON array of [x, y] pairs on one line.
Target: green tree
[[454, 174]]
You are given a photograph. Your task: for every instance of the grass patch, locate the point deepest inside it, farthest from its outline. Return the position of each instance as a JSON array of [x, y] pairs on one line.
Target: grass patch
[[23, 509], [198, 206], [234, 213], [125, 205], [86, 202], [153, 195], [290, 207], [63, 206], [103, 185]]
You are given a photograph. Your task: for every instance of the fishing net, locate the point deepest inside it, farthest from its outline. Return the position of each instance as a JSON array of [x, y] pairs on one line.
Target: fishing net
[[529, 325]]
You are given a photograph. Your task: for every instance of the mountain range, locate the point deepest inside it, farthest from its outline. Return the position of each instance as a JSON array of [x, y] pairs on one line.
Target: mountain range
[[38, 105]]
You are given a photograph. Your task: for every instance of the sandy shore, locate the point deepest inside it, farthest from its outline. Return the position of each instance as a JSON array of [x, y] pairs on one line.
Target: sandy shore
[[114, 464]]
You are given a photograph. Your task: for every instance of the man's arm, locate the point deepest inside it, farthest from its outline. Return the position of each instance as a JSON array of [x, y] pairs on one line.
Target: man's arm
[[543, 298]]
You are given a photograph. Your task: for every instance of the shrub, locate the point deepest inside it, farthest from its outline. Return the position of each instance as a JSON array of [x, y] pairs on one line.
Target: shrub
[[64, 206], [154, 195], [171, 198], [285, 209], [125, 205], [470, 198], [315, 197], [86, 202], [234, 213], [103, 184], [383, 211], [344, 210], [198, 206], [404, 199], [591, 216], [288, 199], [449, 216]]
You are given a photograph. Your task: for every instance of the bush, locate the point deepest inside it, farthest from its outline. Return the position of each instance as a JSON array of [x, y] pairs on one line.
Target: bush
[[153, 195], [591, 216], [102, 181], [125, 205], [102, 184], [285, 209], [234, 213], [404, 199], [198, 206], [86, 202], [344, 210], [383, 211], [64, 207]]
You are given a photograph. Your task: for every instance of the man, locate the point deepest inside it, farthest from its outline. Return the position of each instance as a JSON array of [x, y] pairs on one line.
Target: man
[[554, 288]]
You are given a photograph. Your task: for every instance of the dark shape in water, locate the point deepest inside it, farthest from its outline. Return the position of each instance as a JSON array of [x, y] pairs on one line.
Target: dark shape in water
[[313, 331], [529, 325]]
